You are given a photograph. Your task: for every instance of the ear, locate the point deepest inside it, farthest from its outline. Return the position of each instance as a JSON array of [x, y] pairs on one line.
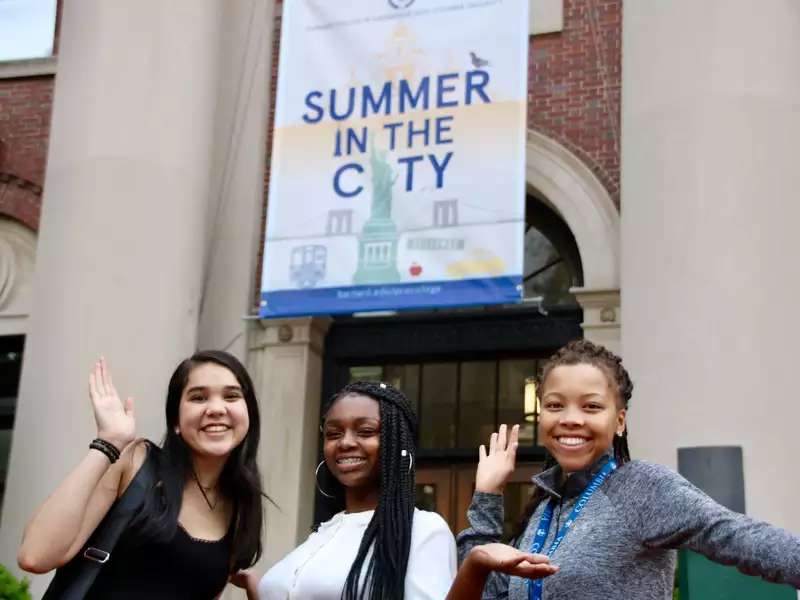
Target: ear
[[622, 423]]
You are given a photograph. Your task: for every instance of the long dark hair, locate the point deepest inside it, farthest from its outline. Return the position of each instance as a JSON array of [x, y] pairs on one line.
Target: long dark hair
[[389, 530], [240, 479], [583, 352]]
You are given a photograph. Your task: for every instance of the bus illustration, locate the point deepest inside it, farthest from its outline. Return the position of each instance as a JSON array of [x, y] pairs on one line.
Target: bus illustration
[[308, 264]]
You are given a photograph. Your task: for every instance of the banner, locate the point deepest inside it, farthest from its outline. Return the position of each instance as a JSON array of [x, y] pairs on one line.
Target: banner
[[398, 167]]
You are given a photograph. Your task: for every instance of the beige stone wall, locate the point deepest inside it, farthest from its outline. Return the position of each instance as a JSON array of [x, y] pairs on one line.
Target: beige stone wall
[[710, 279]]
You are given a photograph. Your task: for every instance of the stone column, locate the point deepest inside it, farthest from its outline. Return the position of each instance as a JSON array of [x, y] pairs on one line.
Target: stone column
[[119, 263], [710, 274], [237, 187], [286, 363]]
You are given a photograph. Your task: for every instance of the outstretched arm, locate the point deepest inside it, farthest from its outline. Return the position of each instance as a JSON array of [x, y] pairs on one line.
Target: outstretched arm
[[63, 523], [672, 513]]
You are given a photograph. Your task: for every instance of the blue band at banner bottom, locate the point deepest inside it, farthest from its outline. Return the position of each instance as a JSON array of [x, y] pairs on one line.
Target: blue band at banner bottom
[[399, 296], [535, 586]]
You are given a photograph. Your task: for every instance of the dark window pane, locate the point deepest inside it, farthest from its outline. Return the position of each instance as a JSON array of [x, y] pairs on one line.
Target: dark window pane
[[366, 373], [426, 497], [552, 262], [477, 403], [511, 396], [515, 497], [438, 405], [406, 379]]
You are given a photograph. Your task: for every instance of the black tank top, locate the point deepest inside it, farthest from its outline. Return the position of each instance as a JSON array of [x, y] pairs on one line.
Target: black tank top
[[183, 568]]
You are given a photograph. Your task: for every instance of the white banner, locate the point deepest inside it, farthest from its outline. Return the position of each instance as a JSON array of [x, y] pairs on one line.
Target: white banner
[[397, 176]]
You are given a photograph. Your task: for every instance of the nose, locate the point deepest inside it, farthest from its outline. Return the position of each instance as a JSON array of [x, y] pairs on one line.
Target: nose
[[348, 440], [215, 405], [571, 416]]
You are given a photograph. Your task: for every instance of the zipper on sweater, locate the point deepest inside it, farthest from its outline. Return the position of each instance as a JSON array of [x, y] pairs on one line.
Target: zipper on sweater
[[558, 517]]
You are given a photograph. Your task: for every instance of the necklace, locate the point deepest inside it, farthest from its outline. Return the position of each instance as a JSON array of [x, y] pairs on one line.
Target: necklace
[[211, 507]]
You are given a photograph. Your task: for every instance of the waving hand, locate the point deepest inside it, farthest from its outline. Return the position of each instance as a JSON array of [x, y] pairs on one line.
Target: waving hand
[[115, 420], [497, 465]]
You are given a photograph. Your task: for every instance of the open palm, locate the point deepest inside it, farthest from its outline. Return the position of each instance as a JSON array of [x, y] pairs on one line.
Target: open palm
[[497, 465], [507, 559], [115, 420]]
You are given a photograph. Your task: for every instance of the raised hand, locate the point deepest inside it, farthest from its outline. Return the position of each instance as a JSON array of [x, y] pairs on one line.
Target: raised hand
[[507, 559], [497, 465], [115, 420]]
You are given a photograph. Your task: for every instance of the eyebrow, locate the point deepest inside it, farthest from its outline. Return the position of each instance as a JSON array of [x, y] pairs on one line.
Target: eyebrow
[[359, 421], [582, 396], [203, 388]]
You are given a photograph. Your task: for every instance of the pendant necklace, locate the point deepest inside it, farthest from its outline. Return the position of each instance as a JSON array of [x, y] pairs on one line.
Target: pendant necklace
[[211, 507]]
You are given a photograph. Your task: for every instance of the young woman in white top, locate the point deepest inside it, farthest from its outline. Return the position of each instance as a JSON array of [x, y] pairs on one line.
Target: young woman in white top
[[379, 547]]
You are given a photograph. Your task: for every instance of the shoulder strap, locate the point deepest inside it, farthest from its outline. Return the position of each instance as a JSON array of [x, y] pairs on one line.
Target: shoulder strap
[[74, 580], [105, 537]]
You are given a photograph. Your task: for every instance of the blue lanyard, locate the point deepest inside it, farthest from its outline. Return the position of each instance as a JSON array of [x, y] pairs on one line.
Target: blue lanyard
[[535, 585]]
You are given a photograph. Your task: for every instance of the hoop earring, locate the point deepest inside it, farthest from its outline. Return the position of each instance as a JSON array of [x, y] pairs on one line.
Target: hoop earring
[[405, 452], [316, 480]]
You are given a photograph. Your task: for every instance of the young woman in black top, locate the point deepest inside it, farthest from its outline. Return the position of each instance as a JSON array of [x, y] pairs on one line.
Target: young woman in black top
[[203, 518]]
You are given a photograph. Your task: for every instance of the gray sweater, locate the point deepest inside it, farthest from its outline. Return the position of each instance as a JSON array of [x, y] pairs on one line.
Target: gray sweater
[[623, 544]]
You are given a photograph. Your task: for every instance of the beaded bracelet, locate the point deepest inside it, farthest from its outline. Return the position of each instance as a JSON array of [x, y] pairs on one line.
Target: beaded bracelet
[[107, 448]]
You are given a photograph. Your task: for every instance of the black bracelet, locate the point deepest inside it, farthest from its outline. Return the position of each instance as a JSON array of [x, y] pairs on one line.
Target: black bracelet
[[106, 448], [108, 445]]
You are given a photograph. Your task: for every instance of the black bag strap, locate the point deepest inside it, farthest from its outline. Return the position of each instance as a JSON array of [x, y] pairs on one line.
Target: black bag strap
[[74, 580]]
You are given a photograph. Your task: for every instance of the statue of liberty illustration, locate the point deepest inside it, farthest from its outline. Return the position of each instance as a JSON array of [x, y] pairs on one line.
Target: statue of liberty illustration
[[377, 244]]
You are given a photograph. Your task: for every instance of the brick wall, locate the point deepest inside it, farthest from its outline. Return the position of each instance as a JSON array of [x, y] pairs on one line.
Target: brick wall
[[26, 104], [25, 107], [574, 85]]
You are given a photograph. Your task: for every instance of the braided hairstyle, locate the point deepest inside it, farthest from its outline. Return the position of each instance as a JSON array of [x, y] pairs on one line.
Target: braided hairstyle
[[583, 352], [389, 531]]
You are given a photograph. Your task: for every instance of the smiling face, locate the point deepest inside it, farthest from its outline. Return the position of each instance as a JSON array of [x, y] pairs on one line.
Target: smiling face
[[212, 414], [580, 415], [351, 441]]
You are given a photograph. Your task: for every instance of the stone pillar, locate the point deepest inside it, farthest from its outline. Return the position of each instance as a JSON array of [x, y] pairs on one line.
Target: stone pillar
[[710, 276], [119, 263], [601, 316], [237, 189], [286, 362]]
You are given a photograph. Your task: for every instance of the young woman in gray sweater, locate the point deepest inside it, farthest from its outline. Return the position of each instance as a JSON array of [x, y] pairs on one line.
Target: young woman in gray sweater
[[600, 525]]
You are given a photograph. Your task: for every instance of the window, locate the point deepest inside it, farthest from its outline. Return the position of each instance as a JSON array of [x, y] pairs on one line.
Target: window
[[552, 263], [27, 29], [10, 367], [460, 403]]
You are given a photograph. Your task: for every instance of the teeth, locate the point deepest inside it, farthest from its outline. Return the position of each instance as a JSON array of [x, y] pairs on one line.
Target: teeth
[[571, 441], [349, 461], [215, 428]]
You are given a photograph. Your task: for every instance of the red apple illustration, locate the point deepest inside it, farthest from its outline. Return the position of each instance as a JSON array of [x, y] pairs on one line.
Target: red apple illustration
[[415, 269]]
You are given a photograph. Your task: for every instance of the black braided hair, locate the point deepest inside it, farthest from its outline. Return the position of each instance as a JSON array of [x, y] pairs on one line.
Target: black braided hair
[[389, 530], [583, 352]]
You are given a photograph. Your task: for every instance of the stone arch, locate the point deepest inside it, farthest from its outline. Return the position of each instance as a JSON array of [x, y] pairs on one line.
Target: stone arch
[[20, 199], [17, 258], [577, 195]]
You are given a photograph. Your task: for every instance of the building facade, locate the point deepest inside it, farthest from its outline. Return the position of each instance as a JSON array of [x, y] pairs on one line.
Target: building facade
[[659, 222]]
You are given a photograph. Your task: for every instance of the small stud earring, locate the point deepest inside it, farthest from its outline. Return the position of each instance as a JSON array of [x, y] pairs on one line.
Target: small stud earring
[[177, 431]]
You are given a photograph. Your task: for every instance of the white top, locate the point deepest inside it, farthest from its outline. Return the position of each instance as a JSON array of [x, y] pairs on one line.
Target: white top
[[318, 568]]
